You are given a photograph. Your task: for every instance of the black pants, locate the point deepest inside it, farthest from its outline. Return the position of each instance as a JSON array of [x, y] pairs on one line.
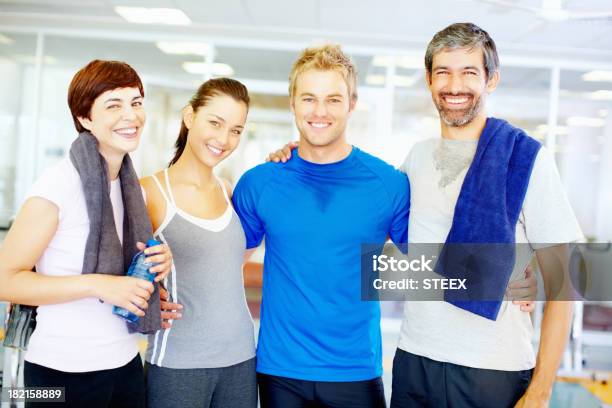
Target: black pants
[[282, 392], [119, 387], [421, 382]]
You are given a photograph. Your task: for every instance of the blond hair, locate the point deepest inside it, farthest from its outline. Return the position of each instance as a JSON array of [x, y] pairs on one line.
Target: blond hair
[[325, 58]]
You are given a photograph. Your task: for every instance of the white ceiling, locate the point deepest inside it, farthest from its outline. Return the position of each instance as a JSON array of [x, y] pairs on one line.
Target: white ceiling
[[260, 38], [396, 24]]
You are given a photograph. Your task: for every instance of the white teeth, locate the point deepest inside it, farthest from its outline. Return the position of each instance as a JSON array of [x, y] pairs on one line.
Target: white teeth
[[320, 125], [214, 150], [456, 100], [126, 131]]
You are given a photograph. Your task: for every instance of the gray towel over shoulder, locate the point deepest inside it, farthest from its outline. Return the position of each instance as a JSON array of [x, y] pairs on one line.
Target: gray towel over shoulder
[[104, 252]]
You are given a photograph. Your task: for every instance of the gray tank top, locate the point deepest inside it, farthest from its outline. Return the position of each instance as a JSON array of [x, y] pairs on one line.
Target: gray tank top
[[216, 329]]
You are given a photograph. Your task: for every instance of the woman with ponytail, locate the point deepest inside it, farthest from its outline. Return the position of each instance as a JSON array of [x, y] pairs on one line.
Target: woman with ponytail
[[207, 358]]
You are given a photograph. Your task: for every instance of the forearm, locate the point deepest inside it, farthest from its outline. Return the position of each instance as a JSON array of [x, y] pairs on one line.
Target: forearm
[[556, 324], [556, 321], [31, 288]]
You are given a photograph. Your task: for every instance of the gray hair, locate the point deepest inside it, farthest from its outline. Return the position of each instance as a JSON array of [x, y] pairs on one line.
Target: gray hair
[[464, 35]]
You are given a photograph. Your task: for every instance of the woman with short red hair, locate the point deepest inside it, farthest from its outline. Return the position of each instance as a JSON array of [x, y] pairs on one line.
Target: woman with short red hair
[[81, 224]]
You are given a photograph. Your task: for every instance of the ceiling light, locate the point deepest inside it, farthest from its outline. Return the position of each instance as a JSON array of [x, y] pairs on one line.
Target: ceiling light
[[402, 62], [411, 62], [31, 59], [375, 80], [601, 95], [602, 113], [554, 15], [398, 80], [143, 15], [184, 48], [598, 76], [585, 122], [201, 68], [6, 40]]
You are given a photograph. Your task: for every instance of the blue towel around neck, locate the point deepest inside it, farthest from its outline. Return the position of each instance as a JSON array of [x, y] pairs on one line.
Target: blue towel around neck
[[480, 246]]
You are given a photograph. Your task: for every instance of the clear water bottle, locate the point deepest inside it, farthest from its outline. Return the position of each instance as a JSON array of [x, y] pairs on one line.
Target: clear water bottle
[[138, 269]]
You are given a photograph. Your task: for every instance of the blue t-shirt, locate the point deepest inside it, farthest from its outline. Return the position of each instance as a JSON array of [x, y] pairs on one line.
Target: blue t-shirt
[[314, 325]]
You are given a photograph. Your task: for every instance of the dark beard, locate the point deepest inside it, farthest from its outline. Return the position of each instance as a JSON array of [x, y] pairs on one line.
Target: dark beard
[[468, 114]]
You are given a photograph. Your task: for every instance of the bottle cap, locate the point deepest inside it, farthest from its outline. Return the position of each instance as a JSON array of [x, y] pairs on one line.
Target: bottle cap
[[153, 242]]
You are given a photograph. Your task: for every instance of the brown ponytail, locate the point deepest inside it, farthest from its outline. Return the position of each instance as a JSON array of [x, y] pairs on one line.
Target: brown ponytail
[[206, 91]]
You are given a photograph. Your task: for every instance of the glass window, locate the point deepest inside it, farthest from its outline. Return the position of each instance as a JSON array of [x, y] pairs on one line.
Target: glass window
[[584, 147], [17, 55]]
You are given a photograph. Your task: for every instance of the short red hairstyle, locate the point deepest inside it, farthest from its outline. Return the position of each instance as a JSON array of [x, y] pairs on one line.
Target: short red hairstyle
[[93, 80]]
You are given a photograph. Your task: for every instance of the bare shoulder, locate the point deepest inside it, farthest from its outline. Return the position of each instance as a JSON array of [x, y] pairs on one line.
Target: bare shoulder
[[150, 187], [228, 186], [154, 200]]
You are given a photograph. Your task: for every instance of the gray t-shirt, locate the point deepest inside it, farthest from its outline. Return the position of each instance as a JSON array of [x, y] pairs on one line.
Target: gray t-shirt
[[438, 330]]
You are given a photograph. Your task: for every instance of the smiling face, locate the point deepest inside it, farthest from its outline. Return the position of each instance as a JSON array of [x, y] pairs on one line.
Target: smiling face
[[116, 120], [459, 85], [322, 107], [215, 128]]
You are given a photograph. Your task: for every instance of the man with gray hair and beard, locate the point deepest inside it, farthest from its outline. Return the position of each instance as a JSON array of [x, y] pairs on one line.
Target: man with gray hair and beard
[[483, 181]]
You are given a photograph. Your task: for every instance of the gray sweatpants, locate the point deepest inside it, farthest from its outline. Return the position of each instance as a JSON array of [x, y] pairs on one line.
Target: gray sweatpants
[[226, 387]]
